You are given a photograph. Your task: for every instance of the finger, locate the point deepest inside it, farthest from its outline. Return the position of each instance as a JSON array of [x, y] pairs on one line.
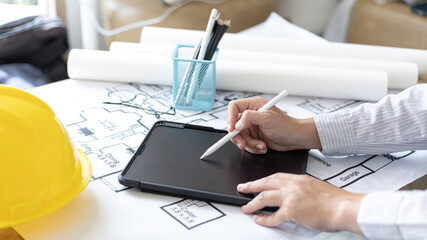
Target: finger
[[239, 106], [239, 116], [250, 118], [254, 131], [270, 198], [254, 145], [230, 127], [239, 141], [235, 108], [272, 220], [271, 182], [255, 151]]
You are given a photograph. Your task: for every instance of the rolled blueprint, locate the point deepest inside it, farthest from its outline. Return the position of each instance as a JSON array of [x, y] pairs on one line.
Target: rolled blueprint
[[401, 75], [119, 67], [232, 75], [277, 45], [301, 80]]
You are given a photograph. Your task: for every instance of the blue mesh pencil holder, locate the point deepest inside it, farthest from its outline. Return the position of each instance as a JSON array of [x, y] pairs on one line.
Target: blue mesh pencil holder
[[193, 80]]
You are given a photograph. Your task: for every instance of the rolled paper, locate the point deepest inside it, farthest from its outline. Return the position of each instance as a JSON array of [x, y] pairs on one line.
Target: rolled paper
[[119, 67], [278, 45], [301, 80], [232, 75], [401, 75]]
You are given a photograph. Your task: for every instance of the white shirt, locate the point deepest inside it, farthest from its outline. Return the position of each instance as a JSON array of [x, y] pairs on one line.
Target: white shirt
[[395, 123]]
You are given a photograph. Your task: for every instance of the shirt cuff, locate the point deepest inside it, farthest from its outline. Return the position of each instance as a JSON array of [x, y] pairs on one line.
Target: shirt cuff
[[377, 215], [335, 132]]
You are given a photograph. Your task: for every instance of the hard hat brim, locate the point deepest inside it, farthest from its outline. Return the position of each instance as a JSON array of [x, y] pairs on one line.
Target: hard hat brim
[[86, 170], [79, 182]]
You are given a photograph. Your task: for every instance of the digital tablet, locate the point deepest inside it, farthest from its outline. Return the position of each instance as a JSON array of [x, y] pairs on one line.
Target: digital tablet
[[168, 162]]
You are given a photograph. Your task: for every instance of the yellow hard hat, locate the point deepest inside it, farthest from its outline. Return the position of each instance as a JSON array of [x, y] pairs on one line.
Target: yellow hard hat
[[40, 170]]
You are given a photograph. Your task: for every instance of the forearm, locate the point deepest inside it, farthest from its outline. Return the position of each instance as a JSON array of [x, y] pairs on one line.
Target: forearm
[[396, 123]]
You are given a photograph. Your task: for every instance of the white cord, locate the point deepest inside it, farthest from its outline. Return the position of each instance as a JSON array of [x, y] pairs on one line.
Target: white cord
[[139, 24], [170, 2]]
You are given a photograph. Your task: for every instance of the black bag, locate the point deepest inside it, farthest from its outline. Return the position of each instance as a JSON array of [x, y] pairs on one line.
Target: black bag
[[38, 40], [21, 75]]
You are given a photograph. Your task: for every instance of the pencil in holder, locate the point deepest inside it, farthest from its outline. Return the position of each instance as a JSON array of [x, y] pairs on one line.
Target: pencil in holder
[[193, 80]]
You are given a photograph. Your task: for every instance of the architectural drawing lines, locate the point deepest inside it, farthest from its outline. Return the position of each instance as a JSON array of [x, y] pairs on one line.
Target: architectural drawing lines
[[192, 213], [110, 134], [109, 174], [393, 158], [349, 168], [372, 172], [361, 170]]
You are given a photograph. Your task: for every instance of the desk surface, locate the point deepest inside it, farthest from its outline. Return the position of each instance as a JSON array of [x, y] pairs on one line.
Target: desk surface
[[97, 190], [11, 234]]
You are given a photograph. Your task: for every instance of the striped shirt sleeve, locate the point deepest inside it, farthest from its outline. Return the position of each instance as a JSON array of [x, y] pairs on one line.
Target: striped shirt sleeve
[[395, 123]]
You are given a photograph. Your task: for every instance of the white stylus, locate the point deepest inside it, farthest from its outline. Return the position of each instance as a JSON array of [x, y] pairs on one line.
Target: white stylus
[[230, 135]]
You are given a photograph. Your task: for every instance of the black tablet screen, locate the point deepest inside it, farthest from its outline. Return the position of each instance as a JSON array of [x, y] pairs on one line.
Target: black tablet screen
[[169, 162]]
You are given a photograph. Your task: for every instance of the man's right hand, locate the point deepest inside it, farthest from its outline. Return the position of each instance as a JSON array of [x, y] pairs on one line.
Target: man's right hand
[[270, 128]]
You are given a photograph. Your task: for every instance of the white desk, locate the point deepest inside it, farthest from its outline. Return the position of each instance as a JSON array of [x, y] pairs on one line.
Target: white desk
[[109, 134]]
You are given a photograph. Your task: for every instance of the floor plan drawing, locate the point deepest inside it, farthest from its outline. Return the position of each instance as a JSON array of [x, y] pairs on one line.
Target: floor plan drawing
[[108, 121], [319, 106], [110, 130], [192, 213], [343, 171]]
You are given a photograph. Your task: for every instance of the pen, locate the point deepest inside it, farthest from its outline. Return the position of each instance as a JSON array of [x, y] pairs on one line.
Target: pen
[[207, 35], [202, 52], [230, 135], [187, 75], [221, 26]]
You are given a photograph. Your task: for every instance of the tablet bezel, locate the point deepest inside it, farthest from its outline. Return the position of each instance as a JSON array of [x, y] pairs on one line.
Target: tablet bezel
[[188, 192]]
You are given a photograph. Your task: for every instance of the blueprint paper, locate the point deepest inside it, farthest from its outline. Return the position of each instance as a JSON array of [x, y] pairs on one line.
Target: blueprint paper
[[110, 134]]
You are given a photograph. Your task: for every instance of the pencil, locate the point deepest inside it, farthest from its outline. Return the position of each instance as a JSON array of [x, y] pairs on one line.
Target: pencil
[[202, 53]]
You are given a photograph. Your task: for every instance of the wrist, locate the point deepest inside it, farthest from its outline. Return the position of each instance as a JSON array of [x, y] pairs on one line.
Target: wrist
[[345, 217], [308, 135]]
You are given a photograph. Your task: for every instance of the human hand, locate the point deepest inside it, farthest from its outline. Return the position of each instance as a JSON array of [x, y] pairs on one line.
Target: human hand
[[270, 128], [304, 200]]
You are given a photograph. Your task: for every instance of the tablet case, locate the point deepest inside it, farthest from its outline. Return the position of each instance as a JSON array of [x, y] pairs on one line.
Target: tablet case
[[168, 162]]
